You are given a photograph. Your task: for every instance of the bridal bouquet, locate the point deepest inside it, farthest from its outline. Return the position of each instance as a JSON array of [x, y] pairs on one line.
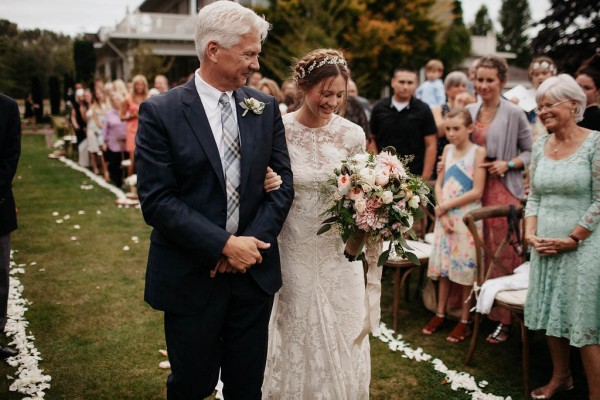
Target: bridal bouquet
[[375, 198]]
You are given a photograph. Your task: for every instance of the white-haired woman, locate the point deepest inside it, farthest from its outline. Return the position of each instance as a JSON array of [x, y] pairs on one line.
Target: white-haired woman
[[562, 214]]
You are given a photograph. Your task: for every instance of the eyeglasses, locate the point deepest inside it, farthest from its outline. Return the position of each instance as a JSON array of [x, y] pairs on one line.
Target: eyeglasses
[[540, 109]]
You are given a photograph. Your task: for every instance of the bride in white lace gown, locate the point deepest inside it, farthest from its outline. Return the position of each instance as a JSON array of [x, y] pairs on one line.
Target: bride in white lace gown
[[317, 349]]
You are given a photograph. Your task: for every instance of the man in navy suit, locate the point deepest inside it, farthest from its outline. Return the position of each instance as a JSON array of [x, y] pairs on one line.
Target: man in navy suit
[[10, 150], [202, 154]]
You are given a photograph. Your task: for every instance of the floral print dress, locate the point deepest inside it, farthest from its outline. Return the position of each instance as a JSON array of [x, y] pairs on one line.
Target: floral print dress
[[453, 254]]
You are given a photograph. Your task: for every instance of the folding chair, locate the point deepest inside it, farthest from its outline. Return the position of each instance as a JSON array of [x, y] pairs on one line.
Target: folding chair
[[512, 300]]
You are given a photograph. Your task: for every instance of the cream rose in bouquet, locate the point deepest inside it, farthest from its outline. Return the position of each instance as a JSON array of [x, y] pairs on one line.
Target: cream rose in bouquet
[[375, 198]]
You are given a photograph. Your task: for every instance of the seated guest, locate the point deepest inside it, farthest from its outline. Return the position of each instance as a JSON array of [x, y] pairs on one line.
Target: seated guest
[[561, 217]]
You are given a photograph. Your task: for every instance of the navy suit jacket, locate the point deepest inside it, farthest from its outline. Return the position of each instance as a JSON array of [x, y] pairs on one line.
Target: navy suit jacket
[[182, 191], [10, 150]]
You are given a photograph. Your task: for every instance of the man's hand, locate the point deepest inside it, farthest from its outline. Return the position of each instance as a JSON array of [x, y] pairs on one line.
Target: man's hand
[[243, 251], [223, 267]]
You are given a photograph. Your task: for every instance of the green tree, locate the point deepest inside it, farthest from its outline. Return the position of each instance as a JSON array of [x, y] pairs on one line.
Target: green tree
[[482, 25], [515, 18], [569, 33], [146, 63], [387, 35], [456, 41], [84, 57]]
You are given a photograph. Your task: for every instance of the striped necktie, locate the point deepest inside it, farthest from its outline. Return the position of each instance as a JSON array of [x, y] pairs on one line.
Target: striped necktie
[[231, 163]]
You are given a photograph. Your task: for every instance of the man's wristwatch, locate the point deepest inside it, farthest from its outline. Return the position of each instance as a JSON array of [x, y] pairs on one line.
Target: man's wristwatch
[[511, 164]]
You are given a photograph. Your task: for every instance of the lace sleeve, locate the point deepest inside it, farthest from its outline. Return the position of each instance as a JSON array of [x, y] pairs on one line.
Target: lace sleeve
[[533, 199], [591, 218]]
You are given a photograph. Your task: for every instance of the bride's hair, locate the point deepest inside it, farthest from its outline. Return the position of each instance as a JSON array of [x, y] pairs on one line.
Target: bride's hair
[[316, 66]]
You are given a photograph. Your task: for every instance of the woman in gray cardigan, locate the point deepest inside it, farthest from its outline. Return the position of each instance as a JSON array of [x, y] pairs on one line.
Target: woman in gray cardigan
[[502, 128]]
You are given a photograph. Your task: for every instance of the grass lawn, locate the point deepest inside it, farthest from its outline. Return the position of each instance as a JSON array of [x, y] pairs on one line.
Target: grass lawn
[[99, 340]]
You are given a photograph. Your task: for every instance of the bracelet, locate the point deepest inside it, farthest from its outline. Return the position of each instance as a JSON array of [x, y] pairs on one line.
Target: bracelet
[[576, 239]]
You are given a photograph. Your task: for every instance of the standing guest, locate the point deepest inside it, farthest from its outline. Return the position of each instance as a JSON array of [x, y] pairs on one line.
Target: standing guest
[[432, 90], [10, 150], [588, 77], [161, 83], [502, 128], [540, 69], [129, 113], [254, 78], [353, 92], [29, 114], [94, 120], [561, 221], [458, 190], [201, 161], [290, 95], [406, 123], [269, 86], [317, 347], [113, 133], [471, 76], [79, 125]]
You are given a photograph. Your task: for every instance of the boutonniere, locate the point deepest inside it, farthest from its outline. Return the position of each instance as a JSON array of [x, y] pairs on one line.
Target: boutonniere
[[253, 105]]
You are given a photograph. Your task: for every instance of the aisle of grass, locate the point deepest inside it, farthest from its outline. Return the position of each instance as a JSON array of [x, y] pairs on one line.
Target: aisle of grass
[[99, 340]]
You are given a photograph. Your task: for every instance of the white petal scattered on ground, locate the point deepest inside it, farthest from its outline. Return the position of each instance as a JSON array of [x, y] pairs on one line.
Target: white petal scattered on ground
[[86, 187], [67, 217], [33, 263], [42, 269], [80, 212], [98, 287], [163, 352], [73, 238], [30, 380], [125, 248], [55, 214], [135, 239], [59, 221], [21, 265], [76, 227], [99, 212], [457, 380], [164, 365]]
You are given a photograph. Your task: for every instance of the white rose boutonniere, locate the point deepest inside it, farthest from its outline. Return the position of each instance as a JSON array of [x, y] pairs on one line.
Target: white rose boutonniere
[[253, 105]]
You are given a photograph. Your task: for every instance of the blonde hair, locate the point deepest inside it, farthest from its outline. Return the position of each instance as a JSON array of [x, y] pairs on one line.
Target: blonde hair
[[140, 78], [272, 86], [434, 65]]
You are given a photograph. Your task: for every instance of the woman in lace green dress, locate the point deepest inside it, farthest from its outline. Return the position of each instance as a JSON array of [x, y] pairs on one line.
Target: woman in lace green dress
[[562, 214]]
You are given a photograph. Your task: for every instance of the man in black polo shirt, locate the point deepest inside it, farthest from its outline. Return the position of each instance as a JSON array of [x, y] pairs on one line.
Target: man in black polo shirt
[[406, 123]]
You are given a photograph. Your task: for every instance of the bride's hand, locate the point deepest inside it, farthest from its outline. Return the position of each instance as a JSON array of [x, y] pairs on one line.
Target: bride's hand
[[272, 180]]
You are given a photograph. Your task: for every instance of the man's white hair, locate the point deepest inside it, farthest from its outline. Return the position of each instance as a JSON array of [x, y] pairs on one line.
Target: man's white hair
[[225, 22]]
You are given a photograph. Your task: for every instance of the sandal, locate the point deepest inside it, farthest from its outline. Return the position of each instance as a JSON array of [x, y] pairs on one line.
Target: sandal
[[433, 325], [461, 331], [500, 334], [565, 386]]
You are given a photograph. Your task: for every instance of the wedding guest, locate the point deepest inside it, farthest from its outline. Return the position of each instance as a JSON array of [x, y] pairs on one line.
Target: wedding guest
[[269, 86], [29, 114], [129, 113], [353, 92], [317, 347], [161, 83], [406, 123], [540, 69], [458, 190], [254, 78], [10, 151], [290, 95], [201, 162], [561, 221], [79, 125], [94, 120], [432, 90], [502, 128], [588, 77], [113, 133]]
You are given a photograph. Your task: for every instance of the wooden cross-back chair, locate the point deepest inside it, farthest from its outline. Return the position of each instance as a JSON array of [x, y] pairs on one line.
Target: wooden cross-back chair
[[511, 300]]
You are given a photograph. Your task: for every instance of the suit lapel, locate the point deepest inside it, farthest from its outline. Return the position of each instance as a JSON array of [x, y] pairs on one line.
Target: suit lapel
[[196, 116], [246, 137]]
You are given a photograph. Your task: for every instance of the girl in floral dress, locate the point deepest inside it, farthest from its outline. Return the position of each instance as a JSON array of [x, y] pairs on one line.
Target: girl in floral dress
[[458, 189]]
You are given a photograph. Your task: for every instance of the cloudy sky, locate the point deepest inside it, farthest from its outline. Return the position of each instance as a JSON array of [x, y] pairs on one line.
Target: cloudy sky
[[78, 16]]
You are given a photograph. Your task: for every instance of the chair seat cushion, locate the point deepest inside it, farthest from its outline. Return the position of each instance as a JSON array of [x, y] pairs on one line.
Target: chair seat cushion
[[514, 297], [429, 237]]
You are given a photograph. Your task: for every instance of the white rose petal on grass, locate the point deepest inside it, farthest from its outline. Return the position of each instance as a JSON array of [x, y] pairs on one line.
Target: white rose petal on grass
[[80, 212], [55, 214], [125, 248], [98, 212], [33, 263], [135, 239], [59, 221], [42, 269], [73, 238], [76, 227], [67, 217]]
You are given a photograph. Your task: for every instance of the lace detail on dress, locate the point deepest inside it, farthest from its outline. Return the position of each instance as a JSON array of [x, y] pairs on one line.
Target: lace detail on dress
[[564, 289], [319, 312]]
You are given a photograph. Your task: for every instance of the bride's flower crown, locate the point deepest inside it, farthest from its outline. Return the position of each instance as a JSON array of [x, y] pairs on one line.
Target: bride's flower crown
[[316, 65]]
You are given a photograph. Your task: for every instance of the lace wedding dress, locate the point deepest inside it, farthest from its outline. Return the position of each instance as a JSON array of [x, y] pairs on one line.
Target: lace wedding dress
[[316, 348]]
